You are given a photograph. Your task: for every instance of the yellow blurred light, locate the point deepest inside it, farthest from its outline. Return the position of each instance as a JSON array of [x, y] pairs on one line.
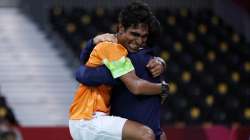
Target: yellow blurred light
[[191, 37], [86, 19], [195, 112], [183, 12], [235, 76], [210, 100], [236, 38], [165, 55], [3, 112], [172, 88], [186, 76], [211, 56], [99, 12], [202, 28], [57, 11], [223, 46], [215, 20], [178, 46], [247, 66], [247, 113], [71, 28], [222, 88], [171, 20], [199, 66]]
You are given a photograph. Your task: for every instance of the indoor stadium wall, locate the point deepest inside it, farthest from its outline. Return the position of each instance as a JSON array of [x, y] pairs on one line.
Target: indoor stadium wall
[[238, 17], [39, 11], [9, 3]]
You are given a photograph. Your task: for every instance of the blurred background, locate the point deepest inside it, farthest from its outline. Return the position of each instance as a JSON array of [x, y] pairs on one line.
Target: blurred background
[[205, 44]]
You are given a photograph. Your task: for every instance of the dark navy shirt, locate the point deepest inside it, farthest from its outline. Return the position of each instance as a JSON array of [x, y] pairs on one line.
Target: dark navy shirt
[[143, 109]]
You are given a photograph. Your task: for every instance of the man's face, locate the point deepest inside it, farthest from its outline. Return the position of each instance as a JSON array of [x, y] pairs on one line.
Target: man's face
[[134, 37]]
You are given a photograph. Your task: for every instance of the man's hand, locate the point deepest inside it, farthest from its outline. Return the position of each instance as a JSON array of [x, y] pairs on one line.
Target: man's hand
[[105, 37], [156, 66]]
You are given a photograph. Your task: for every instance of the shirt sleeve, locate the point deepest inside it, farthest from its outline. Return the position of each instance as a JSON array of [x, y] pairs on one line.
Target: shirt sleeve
[[114, 57], [94, 76]]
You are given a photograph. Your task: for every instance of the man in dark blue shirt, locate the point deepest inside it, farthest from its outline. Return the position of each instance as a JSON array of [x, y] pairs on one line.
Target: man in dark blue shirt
[[143, 109]]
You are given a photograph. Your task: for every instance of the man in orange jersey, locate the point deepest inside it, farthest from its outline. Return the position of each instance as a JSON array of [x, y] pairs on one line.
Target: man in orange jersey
[[89, 111]]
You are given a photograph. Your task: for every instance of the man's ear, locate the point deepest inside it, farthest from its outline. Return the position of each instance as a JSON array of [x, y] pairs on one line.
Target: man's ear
[[121, 28]]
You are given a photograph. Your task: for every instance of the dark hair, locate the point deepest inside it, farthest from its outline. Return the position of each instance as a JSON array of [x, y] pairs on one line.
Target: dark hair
[[135, 13], [140, 13], [155, 32]]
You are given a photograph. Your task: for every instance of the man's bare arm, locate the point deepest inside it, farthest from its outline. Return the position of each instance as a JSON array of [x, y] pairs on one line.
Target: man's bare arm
[[139, 86]]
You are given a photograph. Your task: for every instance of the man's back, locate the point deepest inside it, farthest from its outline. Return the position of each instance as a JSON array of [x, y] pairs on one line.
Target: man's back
[[143, 109]]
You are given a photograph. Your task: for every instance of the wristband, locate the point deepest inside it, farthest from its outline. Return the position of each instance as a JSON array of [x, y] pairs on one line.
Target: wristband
[[164, 87]]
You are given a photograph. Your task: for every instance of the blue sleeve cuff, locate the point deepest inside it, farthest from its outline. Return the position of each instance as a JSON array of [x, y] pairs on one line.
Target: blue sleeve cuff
[[84, 56]]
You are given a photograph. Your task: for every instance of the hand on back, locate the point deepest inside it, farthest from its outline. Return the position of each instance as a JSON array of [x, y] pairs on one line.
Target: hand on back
[[156, 66], [105, 37]]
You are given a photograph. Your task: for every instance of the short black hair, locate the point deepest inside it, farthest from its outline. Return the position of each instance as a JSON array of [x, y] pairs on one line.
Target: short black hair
[[139, 12], [135, 13], [155, 32]]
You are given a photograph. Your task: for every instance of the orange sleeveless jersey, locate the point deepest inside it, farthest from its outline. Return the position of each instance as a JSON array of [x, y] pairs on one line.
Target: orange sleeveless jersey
[[89, 99]]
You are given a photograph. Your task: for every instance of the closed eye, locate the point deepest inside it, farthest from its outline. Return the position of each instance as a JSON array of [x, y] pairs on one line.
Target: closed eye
[[135, 34]]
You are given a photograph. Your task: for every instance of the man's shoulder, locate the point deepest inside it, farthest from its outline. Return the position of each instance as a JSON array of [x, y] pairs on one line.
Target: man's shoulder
[[109, 45], [105, 43], [111, 49]]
